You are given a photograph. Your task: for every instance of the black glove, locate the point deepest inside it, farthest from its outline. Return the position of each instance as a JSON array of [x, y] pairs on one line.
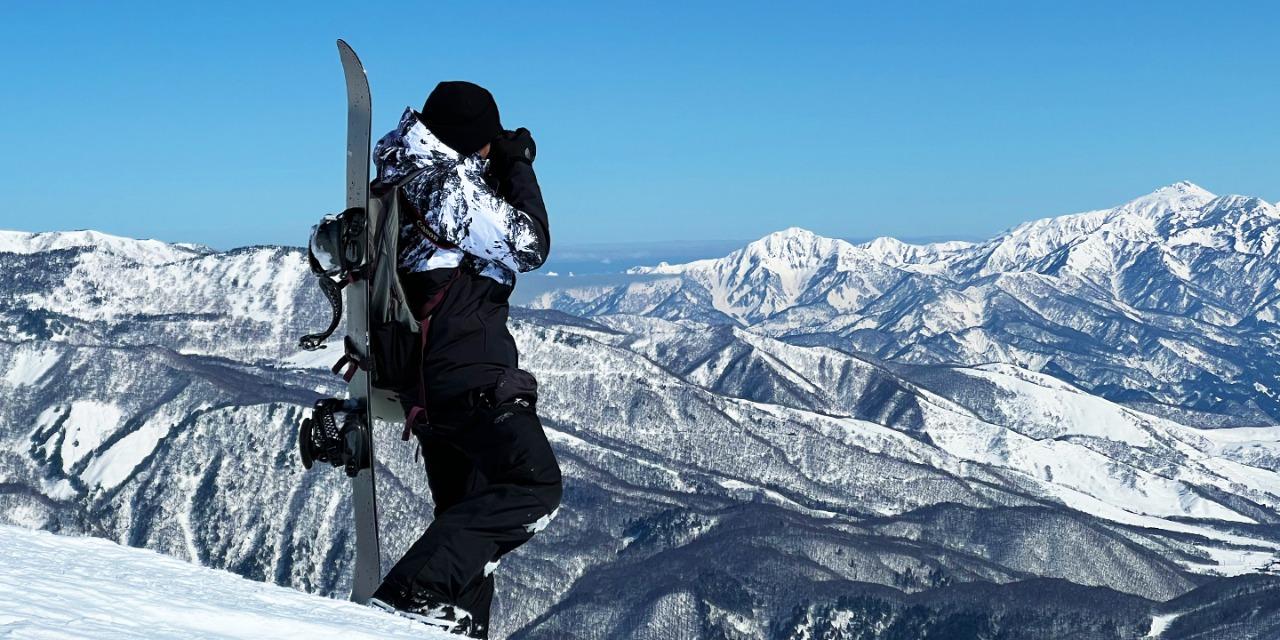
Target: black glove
[[510, 147]]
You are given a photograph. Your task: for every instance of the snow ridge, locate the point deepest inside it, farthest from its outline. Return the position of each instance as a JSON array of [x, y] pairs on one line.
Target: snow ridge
[[142, 251]]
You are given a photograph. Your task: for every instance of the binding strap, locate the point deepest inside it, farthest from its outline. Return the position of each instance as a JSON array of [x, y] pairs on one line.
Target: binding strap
[[347, 362], [332, 290], [341, 237]]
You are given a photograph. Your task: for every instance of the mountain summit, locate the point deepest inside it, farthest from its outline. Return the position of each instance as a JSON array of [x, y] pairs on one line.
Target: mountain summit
[[1167, 200]]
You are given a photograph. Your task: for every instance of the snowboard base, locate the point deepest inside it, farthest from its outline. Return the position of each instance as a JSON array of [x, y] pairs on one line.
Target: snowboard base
[[367, 573]]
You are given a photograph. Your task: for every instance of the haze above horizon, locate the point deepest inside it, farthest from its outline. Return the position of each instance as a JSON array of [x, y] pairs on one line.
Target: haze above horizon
[[224, 125]]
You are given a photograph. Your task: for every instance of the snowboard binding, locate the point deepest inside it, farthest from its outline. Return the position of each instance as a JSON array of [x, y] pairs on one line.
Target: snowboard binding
[[320, 438], [336, 257]]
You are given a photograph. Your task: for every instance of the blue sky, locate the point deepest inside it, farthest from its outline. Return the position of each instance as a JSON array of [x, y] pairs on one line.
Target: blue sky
[[692, 121]]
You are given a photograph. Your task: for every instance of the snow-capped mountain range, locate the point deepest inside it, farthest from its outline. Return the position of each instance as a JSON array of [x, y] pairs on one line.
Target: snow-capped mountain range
[[1168, 302], [1061, 431]]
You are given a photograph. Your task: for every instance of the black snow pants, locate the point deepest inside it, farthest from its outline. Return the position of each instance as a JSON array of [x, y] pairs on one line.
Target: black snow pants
[[495, 483]]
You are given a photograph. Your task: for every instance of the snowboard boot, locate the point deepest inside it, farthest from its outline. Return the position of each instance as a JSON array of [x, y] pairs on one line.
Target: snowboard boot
[[445, 617]]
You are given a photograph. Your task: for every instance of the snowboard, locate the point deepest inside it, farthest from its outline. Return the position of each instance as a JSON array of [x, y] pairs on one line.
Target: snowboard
[[367, 573]]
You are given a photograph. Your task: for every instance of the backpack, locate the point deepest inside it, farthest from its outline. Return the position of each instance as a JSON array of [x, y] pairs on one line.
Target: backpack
[[397, 342]]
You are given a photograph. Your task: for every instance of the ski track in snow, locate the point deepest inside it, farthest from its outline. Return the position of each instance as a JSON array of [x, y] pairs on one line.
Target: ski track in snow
[[64, 587]]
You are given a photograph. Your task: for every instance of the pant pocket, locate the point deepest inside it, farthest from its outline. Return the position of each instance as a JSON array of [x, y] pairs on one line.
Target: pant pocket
[[517, 448]]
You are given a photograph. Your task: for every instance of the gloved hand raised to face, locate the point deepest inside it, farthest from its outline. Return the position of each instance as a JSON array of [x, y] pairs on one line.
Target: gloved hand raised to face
[[510, 147]]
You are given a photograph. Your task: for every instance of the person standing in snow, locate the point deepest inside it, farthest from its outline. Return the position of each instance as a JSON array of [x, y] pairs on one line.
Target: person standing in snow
[[493, 476]]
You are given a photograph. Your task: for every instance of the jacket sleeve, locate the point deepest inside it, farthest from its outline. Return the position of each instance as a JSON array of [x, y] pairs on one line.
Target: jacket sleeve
[[466, 212]]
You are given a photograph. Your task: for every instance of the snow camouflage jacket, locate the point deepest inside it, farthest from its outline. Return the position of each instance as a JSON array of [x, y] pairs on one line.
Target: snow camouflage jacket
[[492, 238], [490, 228]]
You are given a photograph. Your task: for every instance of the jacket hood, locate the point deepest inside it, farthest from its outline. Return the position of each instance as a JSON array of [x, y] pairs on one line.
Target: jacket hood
[[411, 146]]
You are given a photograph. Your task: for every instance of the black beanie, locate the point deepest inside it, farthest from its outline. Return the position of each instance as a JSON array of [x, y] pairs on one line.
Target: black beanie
[[462, 115]]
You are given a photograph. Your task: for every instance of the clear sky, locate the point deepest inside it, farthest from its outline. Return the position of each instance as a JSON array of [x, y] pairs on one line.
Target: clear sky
[[223, 123]]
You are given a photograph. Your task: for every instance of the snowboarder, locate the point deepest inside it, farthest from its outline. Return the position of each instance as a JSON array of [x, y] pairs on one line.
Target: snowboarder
[[480, 220]]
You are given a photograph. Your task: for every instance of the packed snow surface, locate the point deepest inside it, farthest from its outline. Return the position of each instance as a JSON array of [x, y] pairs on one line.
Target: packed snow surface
[[61, 587]]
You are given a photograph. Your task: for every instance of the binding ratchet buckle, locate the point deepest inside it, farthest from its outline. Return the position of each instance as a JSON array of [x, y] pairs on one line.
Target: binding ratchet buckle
[[320, 438]]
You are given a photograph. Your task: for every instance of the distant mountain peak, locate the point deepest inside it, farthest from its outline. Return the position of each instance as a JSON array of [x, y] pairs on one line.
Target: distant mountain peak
[[1184, 186], [1167, 200], [790, 240], [793, 246], [785, 249], [799, 233]]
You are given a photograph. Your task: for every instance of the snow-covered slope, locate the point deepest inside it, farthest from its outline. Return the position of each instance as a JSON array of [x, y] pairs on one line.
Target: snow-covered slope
[[69, 587]]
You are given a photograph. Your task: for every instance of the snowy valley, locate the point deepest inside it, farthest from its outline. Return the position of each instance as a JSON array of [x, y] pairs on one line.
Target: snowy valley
[[1069, 430]]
